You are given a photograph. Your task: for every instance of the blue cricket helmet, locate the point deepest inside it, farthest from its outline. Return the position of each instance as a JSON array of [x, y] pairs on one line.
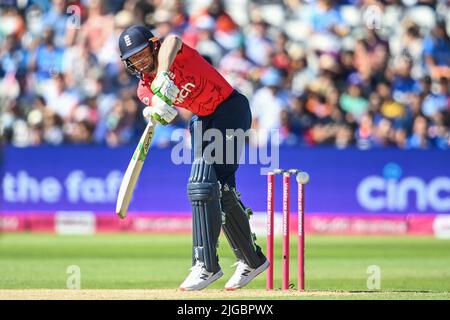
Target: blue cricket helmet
[[133, 40]]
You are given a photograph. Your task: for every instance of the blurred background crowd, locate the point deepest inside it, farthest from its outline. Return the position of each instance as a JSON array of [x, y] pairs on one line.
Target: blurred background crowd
[[344, 73]]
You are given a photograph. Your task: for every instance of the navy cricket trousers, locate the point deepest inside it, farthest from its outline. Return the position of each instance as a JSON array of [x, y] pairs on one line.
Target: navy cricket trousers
[[233, 113]]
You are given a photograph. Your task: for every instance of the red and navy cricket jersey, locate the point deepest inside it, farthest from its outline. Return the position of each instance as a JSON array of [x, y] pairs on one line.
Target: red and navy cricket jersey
[[202, 88]]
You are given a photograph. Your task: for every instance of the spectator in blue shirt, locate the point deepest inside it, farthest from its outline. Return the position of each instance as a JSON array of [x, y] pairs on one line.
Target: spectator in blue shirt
[[57, 19], [12, 57], [403, 83], [325, 17], [433, 102], [47, 59], [436, 50]]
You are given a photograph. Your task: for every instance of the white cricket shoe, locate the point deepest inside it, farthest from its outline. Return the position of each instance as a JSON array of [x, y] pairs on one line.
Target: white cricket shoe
[[199, 278], [244, 274]]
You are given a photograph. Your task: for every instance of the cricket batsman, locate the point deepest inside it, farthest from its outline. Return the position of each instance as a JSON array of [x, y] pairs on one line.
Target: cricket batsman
[[172, 73]]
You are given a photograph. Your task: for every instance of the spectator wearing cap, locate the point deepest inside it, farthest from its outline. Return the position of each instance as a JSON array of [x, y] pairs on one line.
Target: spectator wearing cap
[[267, 105]]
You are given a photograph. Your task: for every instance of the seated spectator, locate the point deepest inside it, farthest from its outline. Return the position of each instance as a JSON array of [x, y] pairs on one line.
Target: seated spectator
[[383, 134], [238, 70], [344, 136], [418, 138], [352, 100], [206, 44], [267, 105], [162, 20], [280, 57], [390, 108], [301, 75], [436, 50], [59, 98], [258, 46], [411, 45], [98, 27], [435, 102], [325, 17], [180, 20], [403, 83], [47, 60], [13, 57], [438, 131], [365, 131], [56, 18]]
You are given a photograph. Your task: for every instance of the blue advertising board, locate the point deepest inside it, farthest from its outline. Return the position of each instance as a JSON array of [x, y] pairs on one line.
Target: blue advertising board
[[387, 181]]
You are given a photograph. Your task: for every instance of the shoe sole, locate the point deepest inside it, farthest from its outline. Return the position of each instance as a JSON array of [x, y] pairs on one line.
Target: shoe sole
[[204, 284], [251, 276]]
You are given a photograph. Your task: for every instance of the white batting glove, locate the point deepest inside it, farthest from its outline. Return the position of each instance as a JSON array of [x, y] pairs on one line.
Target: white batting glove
[[165, 88], [160, 111]]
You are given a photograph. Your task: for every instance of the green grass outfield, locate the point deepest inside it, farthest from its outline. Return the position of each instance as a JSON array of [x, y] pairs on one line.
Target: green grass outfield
[[336, 267]]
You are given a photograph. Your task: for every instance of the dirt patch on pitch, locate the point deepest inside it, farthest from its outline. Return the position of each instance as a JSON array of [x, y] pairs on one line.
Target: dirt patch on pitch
[[163, 294]]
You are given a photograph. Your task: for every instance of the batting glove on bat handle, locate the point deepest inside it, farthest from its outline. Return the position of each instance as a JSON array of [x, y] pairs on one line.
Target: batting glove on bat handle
[[161, 114], [165, 88]]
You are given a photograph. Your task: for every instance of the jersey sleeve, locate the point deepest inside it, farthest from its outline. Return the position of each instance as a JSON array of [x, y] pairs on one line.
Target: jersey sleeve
[[185, 53], [144, 93]]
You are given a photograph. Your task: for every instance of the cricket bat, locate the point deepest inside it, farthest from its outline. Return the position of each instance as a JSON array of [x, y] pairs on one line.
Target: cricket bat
[[134, 169]]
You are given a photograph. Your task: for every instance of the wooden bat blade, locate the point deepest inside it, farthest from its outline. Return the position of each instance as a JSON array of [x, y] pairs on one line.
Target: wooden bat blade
[[133, 171]]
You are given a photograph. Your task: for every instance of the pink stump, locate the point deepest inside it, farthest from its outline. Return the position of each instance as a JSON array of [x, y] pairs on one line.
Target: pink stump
[[285, 263], [301, 237], [270, 221]]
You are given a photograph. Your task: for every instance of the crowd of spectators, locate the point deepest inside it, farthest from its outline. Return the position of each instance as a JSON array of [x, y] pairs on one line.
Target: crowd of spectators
[[344, 73]]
